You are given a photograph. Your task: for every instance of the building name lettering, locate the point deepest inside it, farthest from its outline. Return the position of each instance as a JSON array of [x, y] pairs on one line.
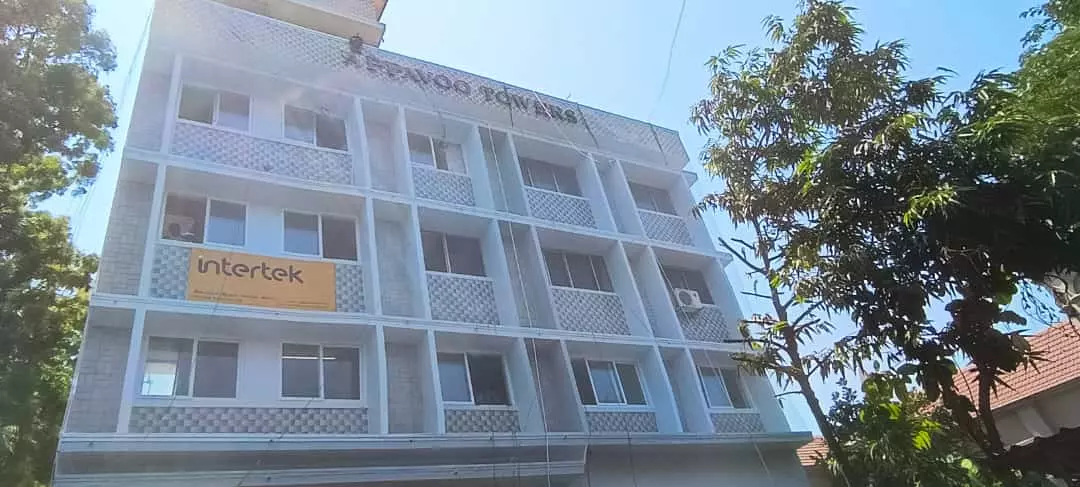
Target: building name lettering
[[224, 266]]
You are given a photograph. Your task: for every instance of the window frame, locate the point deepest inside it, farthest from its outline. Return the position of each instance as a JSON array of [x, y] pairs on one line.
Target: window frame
[[719, 371], [322, 372], [205, 222], [570, 275], [217, 106], [319, 221], [468, 377], [314, 128], [708, 299], [446, 255], [618, 383], [526, 176], [653, 193], [195, 339], [434, 159]]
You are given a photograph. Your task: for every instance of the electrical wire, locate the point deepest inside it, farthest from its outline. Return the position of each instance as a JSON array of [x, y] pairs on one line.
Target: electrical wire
[[671, 51]]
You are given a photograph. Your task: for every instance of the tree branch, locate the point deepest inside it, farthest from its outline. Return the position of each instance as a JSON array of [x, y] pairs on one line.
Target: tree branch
[[742, 259]]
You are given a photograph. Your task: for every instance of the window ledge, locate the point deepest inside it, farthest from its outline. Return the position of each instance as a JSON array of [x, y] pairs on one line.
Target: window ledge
[[436, 169], [594, 291], [618, 408], [568, 195], [478, 407], [731, 410], [656, 212], [283, 403], [464, 276]]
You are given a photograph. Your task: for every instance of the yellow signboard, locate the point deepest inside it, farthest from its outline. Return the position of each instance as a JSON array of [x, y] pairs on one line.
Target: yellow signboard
[[255, 280]]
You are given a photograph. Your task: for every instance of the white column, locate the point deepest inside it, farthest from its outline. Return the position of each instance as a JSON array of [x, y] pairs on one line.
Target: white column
[[173, 104], [476, 165], [152, 231], [593, 189], [372, 284], [690, 395], [401, 154], [655, 289], [494, 256], [622, 278], [380, 393], [683, 201], [523, 383], [619, 189], [358, 146], [573, 384], [662, 394], [435, 422], [131, 370], [417, 272]]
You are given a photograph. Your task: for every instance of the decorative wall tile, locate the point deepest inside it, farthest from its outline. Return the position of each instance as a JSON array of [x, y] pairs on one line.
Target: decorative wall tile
[[305, 421], [168, 277], [449, 187], [244, 151], [359, 9], [737, 422], [621, 422], [462, 299], [350, 288], [667, 228], [482, 421], [705, 325], [588, 311], [560, 208]]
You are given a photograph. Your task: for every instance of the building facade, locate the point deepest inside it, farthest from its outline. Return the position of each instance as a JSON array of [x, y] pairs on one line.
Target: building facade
[[330, 264]]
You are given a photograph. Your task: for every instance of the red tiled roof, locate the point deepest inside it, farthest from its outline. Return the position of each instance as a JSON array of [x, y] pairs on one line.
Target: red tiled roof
[[1060, 347], [810, 452]]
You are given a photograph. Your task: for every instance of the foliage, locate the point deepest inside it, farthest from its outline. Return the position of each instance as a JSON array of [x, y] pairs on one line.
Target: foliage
[[896, 437], [54, 122]]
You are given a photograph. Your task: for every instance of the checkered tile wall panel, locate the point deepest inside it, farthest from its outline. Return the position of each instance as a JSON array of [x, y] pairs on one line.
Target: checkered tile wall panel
[[462, 299], [168, 278], [481, 421], [306, 421], [706, 325], [232, 36], [620, 422], [434, 184], [237, 150], [587, 311], [737, 423], [350, 288], [359, 9], [560, 208], [666, 228]]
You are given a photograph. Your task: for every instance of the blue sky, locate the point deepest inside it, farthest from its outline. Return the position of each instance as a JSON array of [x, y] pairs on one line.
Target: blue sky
[[609, 54]]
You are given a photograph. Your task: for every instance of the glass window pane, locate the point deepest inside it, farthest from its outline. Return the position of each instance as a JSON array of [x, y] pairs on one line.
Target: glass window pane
[[567, 178], [341, 373], [197, 104], [605, 382], [642, 198], [602, 274], [301, 233], [215, 369], [581, 272], [631, 384], [734, 388], [696, 280], [299, 370], [488, 380], [339, 238], [540, 174], [233, 110], [465, 255], [453, 378], [434, 253], [663, 202], [420, 150], [557, 269], [226, 223], [299, 124], [713, 384], [167, 368], [448, 156], [184, 218], [330, 133], [584, 384]]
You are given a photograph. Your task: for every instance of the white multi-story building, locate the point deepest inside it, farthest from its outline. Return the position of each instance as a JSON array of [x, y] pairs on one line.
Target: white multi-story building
[[330, 264]]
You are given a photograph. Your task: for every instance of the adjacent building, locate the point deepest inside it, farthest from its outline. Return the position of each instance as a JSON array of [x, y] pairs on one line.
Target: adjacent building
[[331, 264]]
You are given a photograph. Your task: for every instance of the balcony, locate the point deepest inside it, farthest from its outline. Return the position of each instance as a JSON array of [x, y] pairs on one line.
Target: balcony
[[236, 419], [462, 298], [462, 419], [589, 311], [560, 207], [439, 185], [237, 149], [737, 422], [665, 227], [705, 325], [621, 421]]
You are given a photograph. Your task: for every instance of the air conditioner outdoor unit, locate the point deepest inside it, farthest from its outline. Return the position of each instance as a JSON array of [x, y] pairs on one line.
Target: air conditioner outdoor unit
[[687, 299]]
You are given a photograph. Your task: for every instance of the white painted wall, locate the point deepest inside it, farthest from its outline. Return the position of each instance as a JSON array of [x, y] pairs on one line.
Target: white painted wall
[[693, 467]]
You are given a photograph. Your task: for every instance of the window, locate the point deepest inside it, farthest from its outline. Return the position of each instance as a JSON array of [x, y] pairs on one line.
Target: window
[[315, 371], [543, 175], [215, 107], [195, 219], [650, 198], [578, 271], [608, 383], [473, 378], [688, 279], [304, 125], [327, 236], [169, 368], [723, 388], [441, 154], [450, 253]]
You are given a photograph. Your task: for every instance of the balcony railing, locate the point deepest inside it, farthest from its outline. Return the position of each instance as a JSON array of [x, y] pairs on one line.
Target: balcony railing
[[621, 421], [737, 422], [296, 420], [560, 208], [439, 185], [665, 227], [589, 311], [461, 298], [236, 149], [469, 419], [705, 325]]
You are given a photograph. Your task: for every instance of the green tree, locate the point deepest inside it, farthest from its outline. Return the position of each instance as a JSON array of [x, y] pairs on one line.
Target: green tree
[[55, 118]]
